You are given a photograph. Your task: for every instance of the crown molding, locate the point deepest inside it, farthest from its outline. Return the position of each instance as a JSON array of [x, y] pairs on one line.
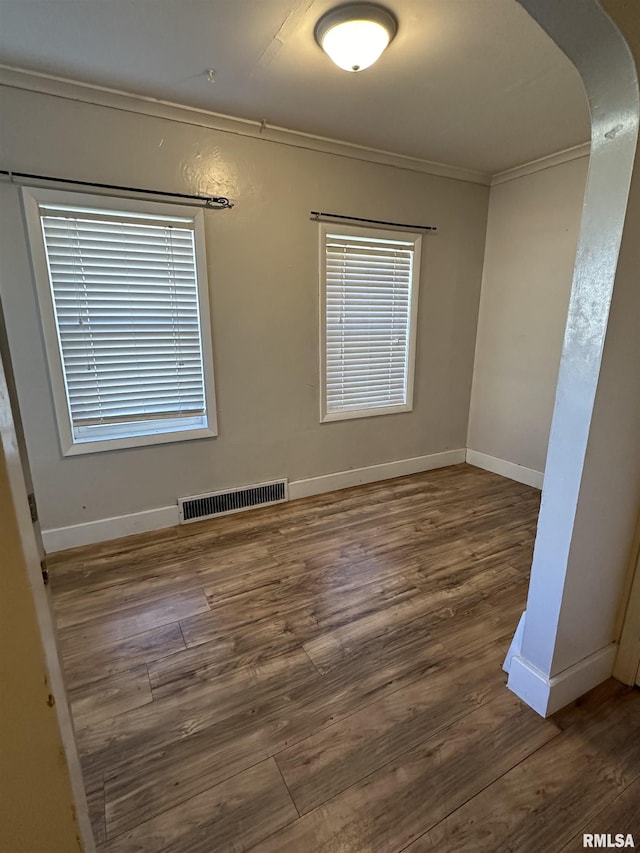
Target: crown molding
[[61, 87], [574, 153]]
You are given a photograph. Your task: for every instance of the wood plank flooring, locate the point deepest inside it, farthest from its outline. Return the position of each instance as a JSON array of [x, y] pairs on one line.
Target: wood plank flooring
[[324, 676]]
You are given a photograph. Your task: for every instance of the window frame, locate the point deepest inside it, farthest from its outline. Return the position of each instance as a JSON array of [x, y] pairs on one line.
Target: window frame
[[382, 234], [32, 197]]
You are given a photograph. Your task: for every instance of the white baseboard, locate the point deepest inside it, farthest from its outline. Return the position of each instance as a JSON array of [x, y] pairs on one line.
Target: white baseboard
[[373, 473], [528, 476], [90, 532], [516, 644], [547, 695]]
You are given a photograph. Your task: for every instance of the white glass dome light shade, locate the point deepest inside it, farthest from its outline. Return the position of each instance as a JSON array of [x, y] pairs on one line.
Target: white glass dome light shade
[[355, 45], [354, 36]]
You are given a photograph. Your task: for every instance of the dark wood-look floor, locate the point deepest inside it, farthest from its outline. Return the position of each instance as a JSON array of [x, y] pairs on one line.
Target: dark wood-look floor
[[325, 675]]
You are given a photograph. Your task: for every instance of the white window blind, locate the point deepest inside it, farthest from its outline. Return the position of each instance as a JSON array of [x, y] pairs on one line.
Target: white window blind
[[125, 297], [369, 304]]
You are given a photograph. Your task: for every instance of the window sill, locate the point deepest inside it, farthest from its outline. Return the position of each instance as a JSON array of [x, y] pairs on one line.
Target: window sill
[[328, 417], [79, 448]]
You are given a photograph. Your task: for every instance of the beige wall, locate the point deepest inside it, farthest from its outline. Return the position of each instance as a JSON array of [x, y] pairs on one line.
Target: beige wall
[[263, 271], [532, 234]]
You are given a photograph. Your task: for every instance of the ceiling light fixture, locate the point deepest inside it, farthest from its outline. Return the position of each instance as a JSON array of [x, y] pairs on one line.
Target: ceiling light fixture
[[355, 35]]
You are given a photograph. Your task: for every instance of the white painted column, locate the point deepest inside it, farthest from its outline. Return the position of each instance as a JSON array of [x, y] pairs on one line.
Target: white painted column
[[566, 642]]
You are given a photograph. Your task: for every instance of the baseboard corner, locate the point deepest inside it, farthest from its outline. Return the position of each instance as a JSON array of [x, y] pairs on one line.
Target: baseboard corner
[[516, 643], [546, 695], [511, 470]]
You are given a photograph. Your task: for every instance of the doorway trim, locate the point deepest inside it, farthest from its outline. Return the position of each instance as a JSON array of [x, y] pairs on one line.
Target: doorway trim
[[627, 665], [48, 636]]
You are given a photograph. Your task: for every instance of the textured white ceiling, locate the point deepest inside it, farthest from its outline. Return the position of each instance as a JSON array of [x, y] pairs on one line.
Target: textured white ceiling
[[472, 83]]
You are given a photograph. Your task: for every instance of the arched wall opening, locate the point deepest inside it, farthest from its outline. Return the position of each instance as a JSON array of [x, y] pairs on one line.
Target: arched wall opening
[[566, 641]]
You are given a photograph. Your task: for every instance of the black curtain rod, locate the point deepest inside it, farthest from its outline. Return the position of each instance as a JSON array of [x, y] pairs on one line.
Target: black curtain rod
[[317, 214], [212, 202]]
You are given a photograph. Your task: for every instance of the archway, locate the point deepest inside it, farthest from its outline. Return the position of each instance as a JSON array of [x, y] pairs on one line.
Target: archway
[[566, 640]]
